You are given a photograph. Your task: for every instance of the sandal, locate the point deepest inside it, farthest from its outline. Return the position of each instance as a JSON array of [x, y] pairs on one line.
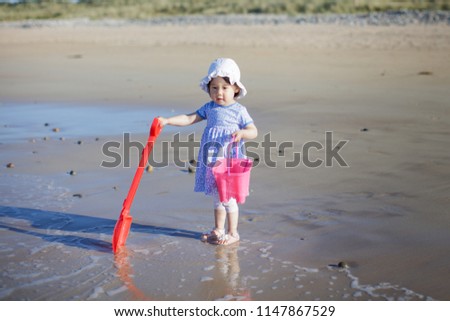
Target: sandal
[[227, 239], [213, 236]]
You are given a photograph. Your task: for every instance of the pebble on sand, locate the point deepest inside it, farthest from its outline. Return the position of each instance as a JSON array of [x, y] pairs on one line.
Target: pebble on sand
[[75, 56], [343, 265], [77, 195], [192, 168], [72, 173], [10, 165], [56, 130], [149, 169], [340, 265], [364, 129]]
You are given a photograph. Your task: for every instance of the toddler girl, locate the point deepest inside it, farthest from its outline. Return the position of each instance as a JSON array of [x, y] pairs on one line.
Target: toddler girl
[[227, 122]]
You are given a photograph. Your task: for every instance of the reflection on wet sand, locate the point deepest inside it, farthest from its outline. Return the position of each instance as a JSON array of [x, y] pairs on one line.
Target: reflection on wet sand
[[126, 273], [228, 274]]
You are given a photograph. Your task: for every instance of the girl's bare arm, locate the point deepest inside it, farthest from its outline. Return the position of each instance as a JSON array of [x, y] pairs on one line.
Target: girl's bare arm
[[181, 120], [249, 132]]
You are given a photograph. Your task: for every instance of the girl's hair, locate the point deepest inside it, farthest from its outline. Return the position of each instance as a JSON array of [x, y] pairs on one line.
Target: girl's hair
[[227, 80]]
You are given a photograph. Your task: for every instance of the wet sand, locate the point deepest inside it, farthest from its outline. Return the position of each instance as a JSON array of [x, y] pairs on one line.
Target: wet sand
[[386, 214]]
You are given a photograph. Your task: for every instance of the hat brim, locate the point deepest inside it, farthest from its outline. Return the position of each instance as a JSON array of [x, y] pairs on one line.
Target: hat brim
[[206, 80]]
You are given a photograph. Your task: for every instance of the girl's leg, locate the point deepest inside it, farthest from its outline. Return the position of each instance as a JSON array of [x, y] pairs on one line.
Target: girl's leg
[[232, 235], [233, 219], [220, 216]]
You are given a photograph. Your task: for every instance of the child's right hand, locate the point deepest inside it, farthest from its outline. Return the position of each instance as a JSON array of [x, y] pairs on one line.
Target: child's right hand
[[163, 121]]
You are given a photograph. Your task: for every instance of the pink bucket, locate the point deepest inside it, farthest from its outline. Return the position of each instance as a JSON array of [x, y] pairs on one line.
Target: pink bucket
[[232, 177]]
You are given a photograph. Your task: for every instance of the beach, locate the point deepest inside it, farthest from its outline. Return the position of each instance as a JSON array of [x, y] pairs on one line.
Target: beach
[[350, 202]]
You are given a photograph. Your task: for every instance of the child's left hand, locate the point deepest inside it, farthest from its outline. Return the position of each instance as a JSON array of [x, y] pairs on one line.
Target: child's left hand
[[249, 132], [237, 136]]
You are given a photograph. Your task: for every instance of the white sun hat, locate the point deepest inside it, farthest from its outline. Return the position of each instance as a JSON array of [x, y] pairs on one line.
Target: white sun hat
[[224, 67]]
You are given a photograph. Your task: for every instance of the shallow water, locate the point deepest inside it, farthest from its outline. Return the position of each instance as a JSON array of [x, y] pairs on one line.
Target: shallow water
[[57, 255], [165, 267], [21, 122]]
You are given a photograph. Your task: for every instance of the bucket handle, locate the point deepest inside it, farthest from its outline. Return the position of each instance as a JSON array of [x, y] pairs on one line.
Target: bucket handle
[[229, 153]]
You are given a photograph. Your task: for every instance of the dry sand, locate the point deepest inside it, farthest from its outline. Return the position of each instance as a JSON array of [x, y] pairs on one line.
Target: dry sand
[[386, 214]]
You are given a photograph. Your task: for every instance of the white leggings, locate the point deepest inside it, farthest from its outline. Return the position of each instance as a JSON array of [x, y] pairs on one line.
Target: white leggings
[[230, 206]]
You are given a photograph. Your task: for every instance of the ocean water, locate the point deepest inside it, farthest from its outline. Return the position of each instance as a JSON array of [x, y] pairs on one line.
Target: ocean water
[[22, 122]]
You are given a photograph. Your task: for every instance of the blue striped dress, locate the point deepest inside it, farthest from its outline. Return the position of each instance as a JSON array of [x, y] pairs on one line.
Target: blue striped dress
[[222, 121]]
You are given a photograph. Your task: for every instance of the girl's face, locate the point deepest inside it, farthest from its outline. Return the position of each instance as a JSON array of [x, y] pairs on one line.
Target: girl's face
[[221, 92]]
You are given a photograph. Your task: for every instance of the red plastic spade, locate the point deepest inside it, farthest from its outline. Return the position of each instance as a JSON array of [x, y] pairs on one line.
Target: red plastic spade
[[124, 222]]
